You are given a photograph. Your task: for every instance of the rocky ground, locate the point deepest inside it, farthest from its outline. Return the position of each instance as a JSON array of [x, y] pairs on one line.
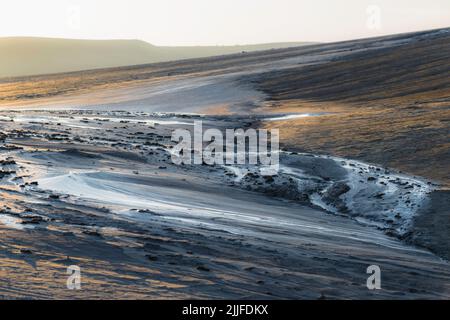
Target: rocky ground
[[87, 177], [99, 190]]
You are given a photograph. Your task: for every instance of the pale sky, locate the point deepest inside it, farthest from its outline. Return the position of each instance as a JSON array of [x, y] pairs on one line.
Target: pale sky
[[220, 22]]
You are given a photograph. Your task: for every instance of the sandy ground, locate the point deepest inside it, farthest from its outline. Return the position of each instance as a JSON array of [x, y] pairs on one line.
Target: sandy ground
[[85, 184]]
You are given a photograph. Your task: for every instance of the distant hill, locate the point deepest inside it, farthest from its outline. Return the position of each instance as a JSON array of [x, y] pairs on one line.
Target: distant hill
[[21, 56]]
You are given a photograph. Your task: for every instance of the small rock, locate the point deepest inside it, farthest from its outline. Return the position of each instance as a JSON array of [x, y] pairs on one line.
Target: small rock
[[202, 268]]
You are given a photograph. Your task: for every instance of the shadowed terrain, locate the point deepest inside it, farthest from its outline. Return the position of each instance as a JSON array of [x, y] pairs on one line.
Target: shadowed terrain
[[87, 177], [392, 104], [390, 96]]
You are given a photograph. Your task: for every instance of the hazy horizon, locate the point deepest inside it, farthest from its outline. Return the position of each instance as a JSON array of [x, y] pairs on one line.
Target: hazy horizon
[[22, 56], [223, 23], [156, 45]]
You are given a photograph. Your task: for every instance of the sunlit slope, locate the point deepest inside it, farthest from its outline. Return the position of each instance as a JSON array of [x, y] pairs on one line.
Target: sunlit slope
[[389, 105], [31, 56], [410, 66]]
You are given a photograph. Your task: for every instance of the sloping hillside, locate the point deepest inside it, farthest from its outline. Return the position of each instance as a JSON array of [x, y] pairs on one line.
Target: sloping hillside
[[386, 99], [389, 105]]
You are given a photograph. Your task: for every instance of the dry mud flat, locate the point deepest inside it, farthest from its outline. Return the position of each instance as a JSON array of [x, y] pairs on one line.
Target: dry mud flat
[[98, 189]]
